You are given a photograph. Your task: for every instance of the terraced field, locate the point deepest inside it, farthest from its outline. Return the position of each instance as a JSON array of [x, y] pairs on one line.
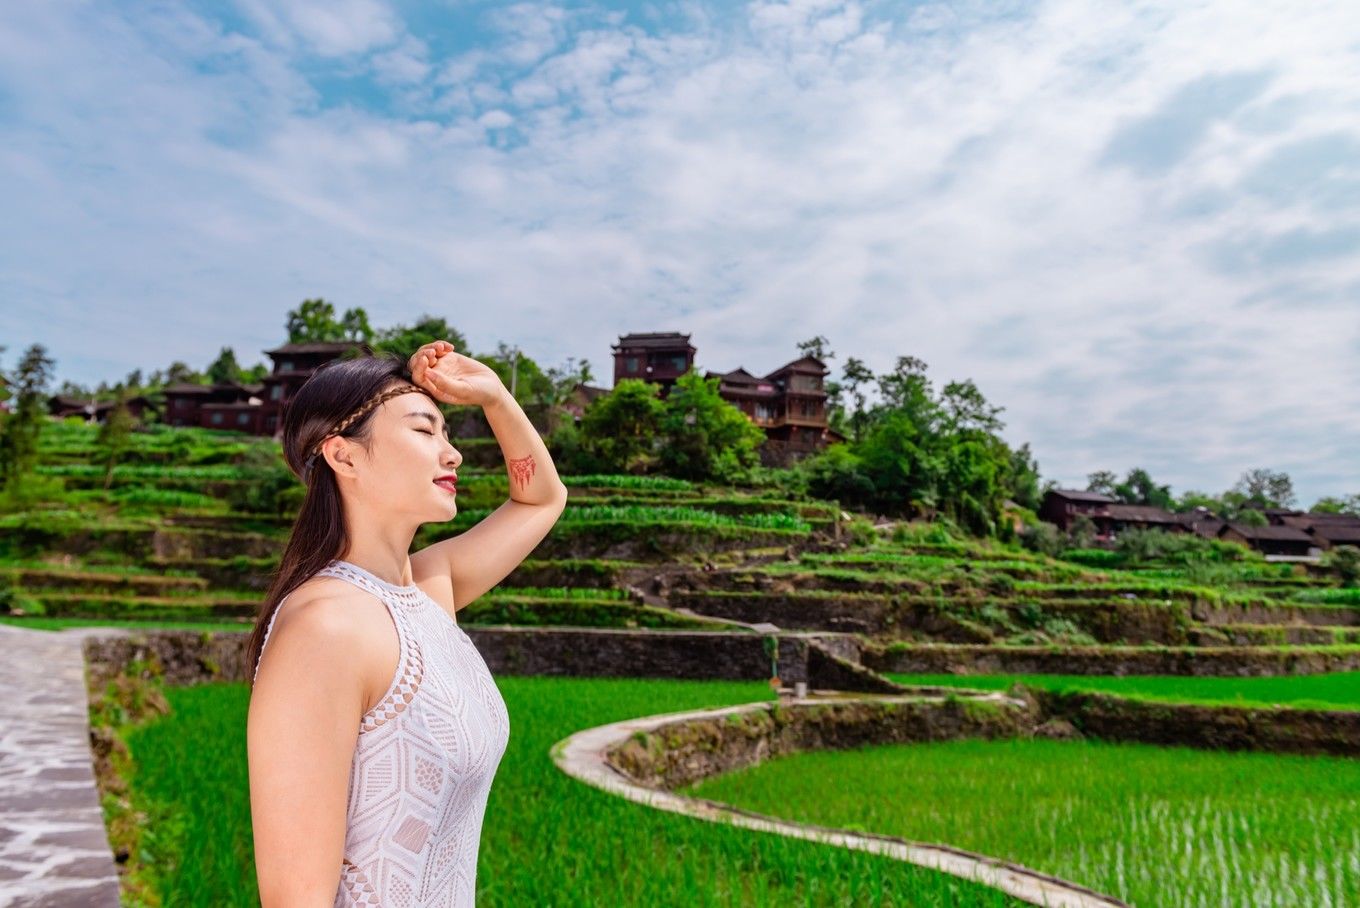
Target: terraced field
[[187, 533]]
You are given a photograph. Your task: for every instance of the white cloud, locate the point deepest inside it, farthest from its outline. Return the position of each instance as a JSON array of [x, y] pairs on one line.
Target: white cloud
[[942, 186], [326, 27]]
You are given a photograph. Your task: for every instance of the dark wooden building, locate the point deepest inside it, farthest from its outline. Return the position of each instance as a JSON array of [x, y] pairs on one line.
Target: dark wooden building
[[1278, 541], [658, 356], [254, 408], [1062, 506], [788, 403], [63, 405], [1327, 530]]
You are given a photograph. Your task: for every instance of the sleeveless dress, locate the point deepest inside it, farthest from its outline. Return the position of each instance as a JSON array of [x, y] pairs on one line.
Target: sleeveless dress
[[424, 761]]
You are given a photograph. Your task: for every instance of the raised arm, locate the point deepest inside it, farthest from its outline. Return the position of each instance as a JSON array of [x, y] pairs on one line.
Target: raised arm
[[481, 557], [301, 732]]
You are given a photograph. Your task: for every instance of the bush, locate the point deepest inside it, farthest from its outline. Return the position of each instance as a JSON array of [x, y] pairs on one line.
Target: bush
[[1043, 538], [1139, 546], [1343, 562], [837, 473], [860, 531]]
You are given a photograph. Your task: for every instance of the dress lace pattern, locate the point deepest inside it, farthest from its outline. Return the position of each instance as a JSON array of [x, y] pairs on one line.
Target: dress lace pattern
[[424, 762]]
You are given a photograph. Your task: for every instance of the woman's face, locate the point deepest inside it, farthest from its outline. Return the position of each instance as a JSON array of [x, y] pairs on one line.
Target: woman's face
[[408, 452]]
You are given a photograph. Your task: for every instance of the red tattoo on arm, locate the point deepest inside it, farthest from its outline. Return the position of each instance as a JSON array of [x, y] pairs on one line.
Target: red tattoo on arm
[[522, 470]]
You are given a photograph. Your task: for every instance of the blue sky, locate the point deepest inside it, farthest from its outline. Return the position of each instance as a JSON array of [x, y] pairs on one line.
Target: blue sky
[[1135, 225]]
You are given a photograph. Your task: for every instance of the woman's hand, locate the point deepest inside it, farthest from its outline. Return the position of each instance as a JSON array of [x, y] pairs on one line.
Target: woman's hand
[[454, 378]]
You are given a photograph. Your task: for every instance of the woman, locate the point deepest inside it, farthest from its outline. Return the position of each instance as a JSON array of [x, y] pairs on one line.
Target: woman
[[374, 728]]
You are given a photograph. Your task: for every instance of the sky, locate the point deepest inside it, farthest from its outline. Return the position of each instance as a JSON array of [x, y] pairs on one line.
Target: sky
[[1136, 226]]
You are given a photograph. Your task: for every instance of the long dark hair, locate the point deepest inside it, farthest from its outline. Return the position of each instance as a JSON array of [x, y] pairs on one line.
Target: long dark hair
[[333, 392]]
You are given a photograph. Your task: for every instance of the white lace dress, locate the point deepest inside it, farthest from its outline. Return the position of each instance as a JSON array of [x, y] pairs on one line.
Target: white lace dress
[[426, 756]]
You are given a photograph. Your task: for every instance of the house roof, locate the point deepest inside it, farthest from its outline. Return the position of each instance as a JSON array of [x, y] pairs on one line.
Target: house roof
[[318, 347], [1141, 513], [1271, 533], [809, 364], [1080, 495], [1309, 521], [653, 339], [738, 376], [1337, 533]]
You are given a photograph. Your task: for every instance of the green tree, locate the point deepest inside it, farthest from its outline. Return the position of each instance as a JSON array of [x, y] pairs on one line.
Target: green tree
[[1139, 488], [620, 429], [1345, 504], [818, 347], [314, 321], [21, 429], [114, 436], [856, 376], [1102, 482], [562, 382], [837, 473], [225, 368], [1022, 478], [404, 340], [1263, 488], [705, 437], [354, 326]]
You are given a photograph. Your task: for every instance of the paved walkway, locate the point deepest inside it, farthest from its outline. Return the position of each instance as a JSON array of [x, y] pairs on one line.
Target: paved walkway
[[53, 848], [582, 756]]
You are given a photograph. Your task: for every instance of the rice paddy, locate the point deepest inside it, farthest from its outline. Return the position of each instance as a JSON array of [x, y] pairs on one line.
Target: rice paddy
[[547, 840], [1156, 826]]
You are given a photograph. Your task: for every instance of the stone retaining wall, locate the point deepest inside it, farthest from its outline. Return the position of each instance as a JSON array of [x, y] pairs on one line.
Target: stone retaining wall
[[1108, 621], [684, 752], [1281, 729], [687, 751], [189, 657]]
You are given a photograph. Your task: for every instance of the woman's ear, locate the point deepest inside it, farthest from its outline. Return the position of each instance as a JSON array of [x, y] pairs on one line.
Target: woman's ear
[[339, 453]]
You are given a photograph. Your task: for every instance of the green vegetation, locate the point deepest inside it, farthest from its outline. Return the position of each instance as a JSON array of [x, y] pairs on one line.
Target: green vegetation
[[1338, 690], [547, 839], [1151, 825]]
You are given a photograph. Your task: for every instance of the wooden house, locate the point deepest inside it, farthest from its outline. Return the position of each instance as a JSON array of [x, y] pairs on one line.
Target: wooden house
[[253, 408], [1062, 506], [61, 406], [658, 356], [1276, 541]]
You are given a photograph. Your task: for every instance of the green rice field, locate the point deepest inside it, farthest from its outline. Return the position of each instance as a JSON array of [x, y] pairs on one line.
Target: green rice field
[[1155, 826], [548, 839], [1337, 690]]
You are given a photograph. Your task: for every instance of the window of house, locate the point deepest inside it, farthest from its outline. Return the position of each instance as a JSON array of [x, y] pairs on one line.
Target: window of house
[[286, 366], [217, 419], [242, 419], [630, 364], [276, 392]]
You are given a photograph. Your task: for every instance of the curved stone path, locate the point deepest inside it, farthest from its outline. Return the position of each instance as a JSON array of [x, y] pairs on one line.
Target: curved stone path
[[54, 851], [582, 756]]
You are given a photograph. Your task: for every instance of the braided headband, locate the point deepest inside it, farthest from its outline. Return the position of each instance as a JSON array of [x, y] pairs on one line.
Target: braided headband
[[349, 420]]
